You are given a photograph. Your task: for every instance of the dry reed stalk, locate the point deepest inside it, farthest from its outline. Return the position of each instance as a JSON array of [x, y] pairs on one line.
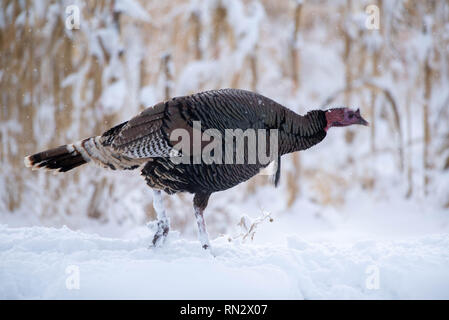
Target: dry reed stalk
[[347, 51], [426, 126], [293, 186], [219, 26], [166, 59], [375, 73], [294, 54], [197, 30], [408, 139], [428, 73], [254, 72]]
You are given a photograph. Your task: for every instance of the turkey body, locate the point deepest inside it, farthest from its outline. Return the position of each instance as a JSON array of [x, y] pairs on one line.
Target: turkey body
[[148, 141], [148, 136]]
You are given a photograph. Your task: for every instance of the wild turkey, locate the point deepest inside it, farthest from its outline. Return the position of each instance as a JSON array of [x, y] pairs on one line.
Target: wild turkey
[[146, 143]]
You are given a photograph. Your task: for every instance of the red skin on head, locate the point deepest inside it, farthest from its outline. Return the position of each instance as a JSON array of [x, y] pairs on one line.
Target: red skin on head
[[334, 116], [343, 117]]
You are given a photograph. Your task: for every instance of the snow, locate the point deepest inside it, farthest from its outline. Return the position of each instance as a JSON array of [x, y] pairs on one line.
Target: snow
[[388, 252], [132, 8], [114, 97], [35, 264]]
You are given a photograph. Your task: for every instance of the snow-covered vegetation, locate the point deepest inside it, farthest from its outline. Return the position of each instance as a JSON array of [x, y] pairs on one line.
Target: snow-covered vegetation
[[375, 197]]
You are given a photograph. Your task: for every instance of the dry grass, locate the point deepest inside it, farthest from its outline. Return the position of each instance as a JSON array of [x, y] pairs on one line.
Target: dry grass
[[328, 187]]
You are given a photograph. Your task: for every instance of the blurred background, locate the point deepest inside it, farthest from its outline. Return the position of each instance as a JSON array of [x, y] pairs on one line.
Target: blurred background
[[72, 69]]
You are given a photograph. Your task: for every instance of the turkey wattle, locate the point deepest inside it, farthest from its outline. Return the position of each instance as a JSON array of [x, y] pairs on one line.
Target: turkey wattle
[[151, 143]]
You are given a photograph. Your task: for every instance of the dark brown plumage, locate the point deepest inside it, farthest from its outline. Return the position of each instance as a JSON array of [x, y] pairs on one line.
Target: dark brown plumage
[[144, 142]]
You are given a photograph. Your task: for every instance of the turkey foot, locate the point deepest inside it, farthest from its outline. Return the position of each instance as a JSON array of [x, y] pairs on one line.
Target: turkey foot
[[161, 233]]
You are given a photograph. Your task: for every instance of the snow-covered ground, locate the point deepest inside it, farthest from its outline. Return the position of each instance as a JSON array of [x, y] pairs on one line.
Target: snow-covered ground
[[349, 255]]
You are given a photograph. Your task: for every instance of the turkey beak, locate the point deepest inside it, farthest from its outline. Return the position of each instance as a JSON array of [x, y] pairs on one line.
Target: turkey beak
[[361, 121]]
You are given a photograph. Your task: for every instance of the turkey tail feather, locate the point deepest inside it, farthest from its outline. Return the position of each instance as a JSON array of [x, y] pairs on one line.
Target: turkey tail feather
[[60, 159]]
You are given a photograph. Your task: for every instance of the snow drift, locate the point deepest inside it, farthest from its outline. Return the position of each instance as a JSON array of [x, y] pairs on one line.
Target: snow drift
[[49, 263]]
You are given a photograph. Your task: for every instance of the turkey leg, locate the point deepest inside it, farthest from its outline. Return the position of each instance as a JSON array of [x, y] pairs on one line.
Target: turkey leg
[[162, 222], [199, 204]]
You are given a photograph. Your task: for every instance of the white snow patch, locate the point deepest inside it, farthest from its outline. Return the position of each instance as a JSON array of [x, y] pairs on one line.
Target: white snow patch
[[113, 97], [34, 261], [133, 9]]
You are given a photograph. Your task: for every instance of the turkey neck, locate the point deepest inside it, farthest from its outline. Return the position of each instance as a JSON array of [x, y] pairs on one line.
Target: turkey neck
[[297, 132]]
